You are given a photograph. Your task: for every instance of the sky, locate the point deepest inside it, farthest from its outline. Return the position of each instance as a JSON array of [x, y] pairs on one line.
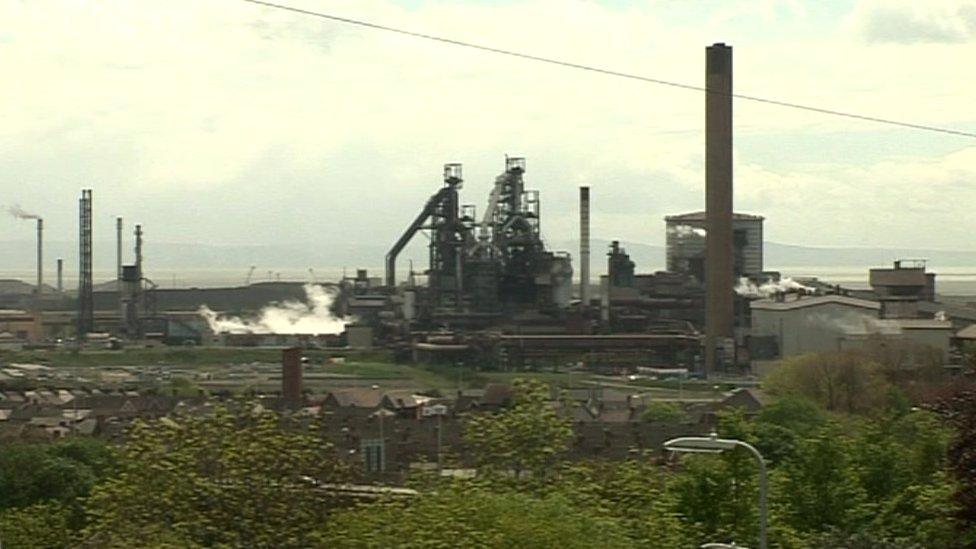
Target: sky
[[223, 122]]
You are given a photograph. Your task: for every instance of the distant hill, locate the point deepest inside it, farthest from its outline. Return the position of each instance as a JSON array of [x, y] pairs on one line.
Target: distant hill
[[298, 255]]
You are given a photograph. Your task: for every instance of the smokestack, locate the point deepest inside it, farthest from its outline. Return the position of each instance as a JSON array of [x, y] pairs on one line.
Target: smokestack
[[139, 250], [60, 275], [584, 206], [719, 313], [86, 300], [40, 260], [118, 248], [291, 376]]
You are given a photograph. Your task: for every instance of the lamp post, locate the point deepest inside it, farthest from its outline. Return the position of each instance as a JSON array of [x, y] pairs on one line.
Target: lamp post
[[714, 445]]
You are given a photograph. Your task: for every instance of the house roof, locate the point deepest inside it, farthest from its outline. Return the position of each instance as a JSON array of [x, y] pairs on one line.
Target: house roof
[[969, 332], [360, 397], [497, 394], [921, 324], [700, 216], [813, 301]]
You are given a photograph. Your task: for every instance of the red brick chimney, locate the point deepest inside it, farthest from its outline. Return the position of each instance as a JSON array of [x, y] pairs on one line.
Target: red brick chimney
[[291, 376]]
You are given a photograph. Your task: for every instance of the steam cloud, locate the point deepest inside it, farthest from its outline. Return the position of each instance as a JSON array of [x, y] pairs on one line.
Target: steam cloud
[[685, 231], [749, 289], [855, 324], [20, 213], [289, 317]]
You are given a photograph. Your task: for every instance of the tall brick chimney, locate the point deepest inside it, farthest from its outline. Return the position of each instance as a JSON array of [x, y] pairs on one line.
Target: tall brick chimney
[[291, 376], [719, 274]]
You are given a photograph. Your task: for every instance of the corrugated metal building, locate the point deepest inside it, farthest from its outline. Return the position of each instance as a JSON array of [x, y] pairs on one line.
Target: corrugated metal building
[[783, 328]]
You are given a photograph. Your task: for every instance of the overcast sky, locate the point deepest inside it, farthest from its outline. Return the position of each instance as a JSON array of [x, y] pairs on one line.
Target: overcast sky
[[223, 122]]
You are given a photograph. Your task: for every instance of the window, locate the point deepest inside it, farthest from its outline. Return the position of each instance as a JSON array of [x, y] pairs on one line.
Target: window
[[374, 456]]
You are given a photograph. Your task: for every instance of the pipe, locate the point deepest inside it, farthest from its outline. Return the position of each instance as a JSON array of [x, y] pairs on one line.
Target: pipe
[[719, 311], [40, 259], [584, 206], [139, 251], [118, 247]]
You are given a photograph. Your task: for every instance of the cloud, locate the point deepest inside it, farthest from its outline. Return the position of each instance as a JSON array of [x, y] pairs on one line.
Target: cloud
[[911, 21], [229, 123]]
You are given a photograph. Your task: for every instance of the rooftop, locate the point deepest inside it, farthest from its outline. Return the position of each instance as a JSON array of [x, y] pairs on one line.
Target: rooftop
[[700, 216], [813, 301]]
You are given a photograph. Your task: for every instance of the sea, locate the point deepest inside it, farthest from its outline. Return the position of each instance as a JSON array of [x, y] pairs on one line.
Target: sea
[[954, 281]]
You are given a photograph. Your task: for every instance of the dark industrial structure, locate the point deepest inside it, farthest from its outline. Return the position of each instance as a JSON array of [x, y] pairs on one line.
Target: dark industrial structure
[[495, 295], [480, 270], [584, 206], [137, 293], [86, 301]]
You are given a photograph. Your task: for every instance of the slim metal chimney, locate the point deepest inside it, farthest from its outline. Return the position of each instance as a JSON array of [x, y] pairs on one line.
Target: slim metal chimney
[[118, 248], [139, 250], [719, 311], [291, 376], [584, 206], [86, 299], [40, 259], [60, 275]]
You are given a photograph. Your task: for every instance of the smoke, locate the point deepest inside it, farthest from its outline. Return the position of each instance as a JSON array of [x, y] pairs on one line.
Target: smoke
[[748, 288], [686, 231], [20, 213], [289, 317], [855, 324]]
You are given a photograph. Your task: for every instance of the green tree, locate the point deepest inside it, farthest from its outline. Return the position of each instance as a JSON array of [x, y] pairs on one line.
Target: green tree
[[474, 517], [800, 415], [844, 381], [241, 477], [524, 438], [819, 487], [44, 525], [632, 493], [961, 414], [665, 412]]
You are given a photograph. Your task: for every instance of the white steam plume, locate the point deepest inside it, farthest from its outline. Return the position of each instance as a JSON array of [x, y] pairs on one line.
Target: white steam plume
[[289, 317], [854, 324], [20, 213], [748, 288], [686, 231]]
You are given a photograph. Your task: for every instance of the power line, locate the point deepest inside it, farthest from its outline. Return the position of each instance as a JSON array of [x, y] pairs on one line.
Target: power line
[[610, 72]]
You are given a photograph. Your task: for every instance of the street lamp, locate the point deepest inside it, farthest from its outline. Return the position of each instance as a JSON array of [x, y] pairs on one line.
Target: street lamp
[[714, 445]]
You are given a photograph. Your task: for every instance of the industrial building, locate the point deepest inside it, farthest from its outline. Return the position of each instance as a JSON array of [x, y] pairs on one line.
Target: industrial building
[[891, 313], [685, 237]]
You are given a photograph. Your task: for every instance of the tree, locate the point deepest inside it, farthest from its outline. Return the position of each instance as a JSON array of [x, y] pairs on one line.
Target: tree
[[242, 477], [961, 414], [632, 493], [796, 413], [38, 525], [819, 488], [54, 476], [474, 517], [665, 412], [844, 381], [523, 438]]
